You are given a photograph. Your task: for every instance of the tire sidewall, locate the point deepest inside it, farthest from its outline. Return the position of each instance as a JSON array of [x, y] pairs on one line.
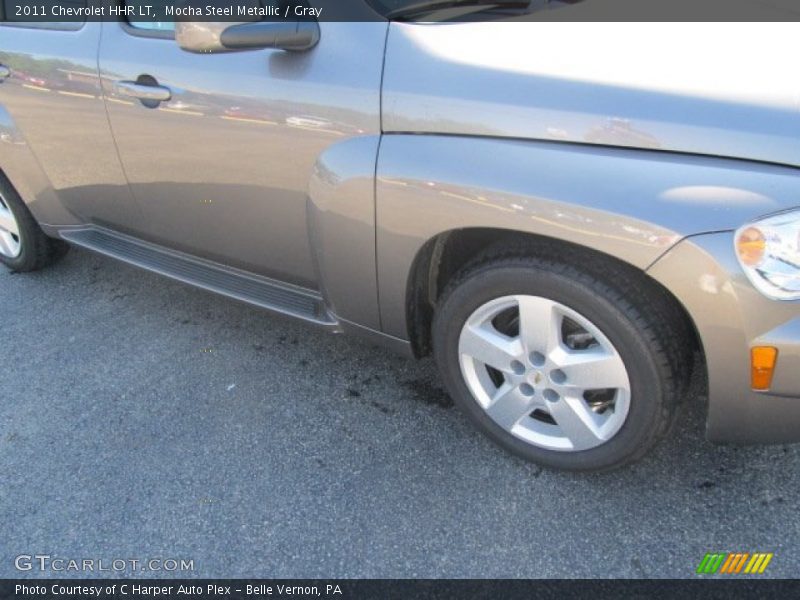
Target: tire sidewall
[[21, 260], [37, 250], [595, 302]]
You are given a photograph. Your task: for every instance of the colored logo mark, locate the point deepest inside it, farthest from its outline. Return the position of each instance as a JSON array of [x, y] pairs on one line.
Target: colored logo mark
[[733, 563]]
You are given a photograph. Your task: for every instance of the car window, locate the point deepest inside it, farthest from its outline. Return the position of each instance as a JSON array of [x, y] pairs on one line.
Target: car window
[[153, 25], [149, 25]]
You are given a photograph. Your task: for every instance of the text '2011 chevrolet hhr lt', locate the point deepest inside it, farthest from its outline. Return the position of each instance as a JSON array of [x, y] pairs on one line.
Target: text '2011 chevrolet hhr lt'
[[570, 217]]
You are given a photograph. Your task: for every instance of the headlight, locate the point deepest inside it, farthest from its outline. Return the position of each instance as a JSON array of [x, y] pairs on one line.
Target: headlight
[[769, 252]]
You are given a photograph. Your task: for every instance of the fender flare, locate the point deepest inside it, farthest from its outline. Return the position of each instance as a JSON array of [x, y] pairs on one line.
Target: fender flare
[[633, 205]]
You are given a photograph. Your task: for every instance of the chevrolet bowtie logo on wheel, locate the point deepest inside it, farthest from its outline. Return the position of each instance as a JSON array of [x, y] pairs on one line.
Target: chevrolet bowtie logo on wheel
[[734, 563]]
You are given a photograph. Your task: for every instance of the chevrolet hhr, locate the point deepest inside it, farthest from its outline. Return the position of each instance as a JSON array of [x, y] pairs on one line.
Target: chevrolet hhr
[[571, 218]]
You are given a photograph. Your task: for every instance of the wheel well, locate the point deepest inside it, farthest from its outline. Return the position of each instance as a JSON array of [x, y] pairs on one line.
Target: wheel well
[[446, 254]]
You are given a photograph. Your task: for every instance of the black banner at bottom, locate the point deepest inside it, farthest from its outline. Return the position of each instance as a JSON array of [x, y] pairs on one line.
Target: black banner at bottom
[[388, 589]]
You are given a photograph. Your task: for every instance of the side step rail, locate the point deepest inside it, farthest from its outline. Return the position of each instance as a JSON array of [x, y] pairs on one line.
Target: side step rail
[[246, 287]]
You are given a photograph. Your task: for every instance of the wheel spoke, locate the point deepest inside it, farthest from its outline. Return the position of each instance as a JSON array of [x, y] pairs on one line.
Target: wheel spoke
[[509, 406], [594, 370], [7, 246], [576, 421], [7, 221], [539, 324], [487, 345]]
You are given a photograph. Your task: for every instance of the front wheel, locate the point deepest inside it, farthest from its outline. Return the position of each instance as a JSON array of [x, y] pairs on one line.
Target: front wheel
[[565, 366]]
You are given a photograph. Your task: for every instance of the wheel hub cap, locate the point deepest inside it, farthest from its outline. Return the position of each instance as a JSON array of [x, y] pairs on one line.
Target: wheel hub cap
[[10, 244], [544, 373]]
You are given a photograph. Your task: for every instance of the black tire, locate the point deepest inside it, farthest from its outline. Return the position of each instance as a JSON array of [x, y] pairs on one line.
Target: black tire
[[36, 249], [638, 319]]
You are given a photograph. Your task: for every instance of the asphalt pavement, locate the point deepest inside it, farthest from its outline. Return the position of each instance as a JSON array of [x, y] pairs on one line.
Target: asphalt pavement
[[144, 419]]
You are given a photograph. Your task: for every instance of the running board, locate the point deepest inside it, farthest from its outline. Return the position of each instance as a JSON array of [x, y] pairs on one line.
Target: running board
[[247, 287]]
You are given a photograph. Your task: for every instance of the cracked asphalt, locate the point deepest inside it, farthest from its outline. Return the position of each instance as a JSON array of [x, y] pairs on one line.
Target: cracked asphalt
[[142, 418]]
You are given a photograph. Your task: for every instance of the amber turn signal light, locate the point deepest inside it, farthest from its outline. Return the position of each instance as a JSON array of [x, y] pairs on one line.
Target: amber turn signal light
[[750, 245], [762, 360]]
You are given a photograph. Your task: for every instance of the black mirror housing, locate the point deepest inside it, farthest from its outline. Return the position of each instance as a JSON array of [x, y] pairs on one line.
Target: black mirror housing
[[296, 36], [221, 37]]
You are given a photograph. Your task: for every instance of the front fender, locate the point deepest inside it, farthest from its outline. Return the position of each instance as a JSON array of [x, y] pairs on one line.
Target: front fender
[[630, 204], [731, 316]]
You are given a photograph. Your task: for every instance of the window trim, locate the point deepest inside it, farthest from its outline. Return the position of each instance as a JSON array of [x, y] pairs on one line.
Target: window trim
[[157, 34]]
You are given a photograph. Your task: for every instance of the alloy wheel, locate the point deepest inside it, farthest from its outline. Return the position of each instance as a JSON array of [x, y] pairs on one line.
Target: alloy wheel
[[544, 373], [10, 244]]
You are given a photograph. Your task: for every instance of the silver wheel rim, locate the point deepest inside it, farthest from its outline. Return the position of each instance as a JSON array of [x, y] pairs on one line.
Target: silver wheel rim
[[553, 380], [10, 244]]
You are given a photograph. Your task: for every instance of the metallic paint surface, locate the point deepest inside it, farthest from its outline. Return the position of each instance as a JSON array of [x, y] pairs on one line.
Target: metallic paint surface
[[730, 317], [596, 197], [786, 338], [645, 85], [55, 143], [341, 217], [222, 169]]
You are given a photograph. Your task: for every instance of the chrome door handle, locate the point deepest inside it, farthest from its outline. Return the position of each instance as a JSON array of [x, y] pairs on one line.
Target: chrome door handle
[[5, 72], [131, 89]]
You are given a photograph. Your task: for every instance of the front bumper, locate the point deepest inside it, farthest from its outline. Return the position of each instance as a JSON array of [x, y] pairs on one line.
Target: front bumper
[[731, 316]]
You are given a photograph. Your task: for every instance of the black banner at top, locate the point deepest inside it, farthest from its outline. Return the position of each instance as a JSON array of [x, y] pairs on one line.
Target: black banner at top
[[24, 12]]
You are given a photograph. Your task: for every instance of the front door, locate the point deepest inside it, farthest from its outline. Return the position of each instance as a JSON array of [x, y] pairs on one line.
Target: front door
[[221, 169]]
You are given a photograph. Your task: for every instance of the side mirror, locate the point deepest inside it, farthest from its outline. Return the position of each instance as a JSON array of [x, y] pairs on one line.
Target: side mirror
[[216, 37]]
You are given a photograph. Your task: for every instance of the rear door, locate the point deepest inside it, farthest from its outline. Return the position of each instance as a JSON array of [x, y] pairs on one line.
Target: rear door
[[51, 102], [221, 170]]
